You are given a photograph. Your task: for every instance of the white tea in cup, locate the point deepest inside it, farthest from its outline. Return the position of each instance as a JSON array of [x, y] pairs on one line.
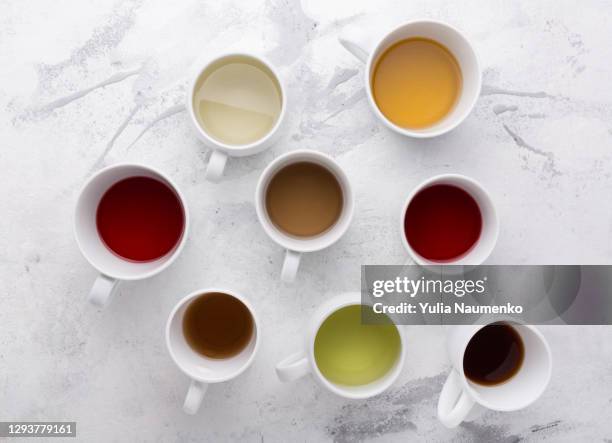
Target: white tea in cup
[[237, 100]]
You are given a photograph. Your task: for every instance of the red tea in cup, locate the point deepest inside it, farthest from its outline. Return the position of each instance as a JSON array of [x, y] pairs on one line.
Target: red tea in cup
[[140, 219], [442, 223]]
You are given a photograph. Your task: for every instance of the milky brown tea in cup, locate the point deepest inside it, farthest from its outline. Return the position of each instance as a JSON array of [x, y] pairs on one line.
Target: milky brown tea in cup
[[416, 82], [304, 199], [217, 325]]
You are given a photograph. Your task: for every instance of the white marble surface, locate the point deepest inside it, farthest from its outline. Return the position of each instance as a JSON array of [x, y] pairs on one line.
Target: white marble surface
[[540, 139]]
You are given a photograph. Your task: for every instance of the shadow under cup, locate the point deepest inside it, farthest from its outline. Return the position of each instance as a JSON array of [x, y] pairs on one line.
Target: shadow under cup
[[87, 234], [198, 366]]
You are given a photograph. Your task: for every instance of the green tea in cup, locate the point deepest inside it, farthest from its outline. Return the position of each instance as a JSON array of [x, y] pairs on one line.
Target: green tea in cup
[[348, 352]]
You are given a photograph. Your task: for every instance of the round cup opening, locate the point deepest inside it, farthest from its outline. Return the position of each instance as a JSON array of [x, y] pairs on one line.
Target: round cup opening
[[462, 51], [237, 89], [527, 384], [482, 244], [357, 390], [197, 365], [310, 242], [89, 239]]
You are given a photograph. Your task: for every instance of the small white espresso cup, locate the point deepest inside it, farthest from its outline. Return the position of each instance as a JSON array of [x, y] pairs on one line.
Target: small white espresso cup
[[459, 394], [221, 151], [113, 268], [303, 362], [360, 45], [490, 222], [295, 246], [200, 369]]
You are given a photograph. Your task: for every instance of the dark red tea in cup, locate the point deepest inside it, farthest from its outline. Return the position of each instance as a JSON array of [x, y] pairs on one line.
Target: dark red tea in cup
[[140, 219], [442, 223]]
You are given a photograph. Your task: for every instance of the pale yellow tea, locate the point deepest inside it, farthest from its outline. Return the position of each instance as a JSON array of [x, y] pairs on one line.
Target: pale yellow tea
[[416, 83], [348, 352], [237, 100]]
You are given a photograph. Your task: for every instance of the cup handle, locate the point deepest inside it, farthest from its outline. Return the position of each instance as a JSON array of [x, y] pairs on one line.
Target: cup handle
[[455, 403], [216, 165], [194, 397], [293, 367], [290, 265], [356, 42], [102, 290]]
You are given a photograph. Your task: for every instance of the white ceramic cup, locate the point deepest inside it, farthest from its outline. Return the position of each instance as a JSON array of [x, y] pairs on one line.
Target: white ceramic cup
[[303, 362], [113, 268], [361, 46], [490, 222], [221, 151], [459, 394], [295, 246], [203, 370]]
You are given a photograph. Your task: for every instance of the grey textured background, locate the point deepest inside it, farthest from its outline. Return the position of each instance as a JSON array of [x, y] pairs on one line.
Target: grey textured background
[[85, 84]]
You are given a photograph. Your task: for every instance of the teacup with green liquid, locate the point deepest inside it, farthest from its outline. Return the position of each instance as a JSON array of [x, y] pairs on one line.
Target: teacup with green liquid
[[346, 353]]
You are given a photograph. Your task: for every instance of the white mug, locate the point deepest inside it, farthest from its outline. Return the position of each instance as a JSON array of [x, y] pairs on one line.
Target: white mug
[[303, 362], [295, 246], [221, 151], [359, 44], [490, 222], [113, 268], [459, 394], [203, 370]]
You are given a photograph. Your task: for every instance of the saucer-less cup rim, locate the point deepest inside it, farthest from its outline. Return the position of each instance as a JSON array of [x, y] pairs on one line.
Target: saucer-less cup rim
[[297, 245], [476, 390], [113, 268], [459, 394], [358, 44], [303, 362], [183, 304], [221, 150], [177, 344], [490, 221]]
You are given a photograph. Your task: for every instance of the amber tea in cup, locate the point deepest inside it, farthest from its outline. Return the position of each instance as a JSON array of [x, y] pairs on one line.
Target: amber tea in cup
[[416, 82], [217, 325]]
